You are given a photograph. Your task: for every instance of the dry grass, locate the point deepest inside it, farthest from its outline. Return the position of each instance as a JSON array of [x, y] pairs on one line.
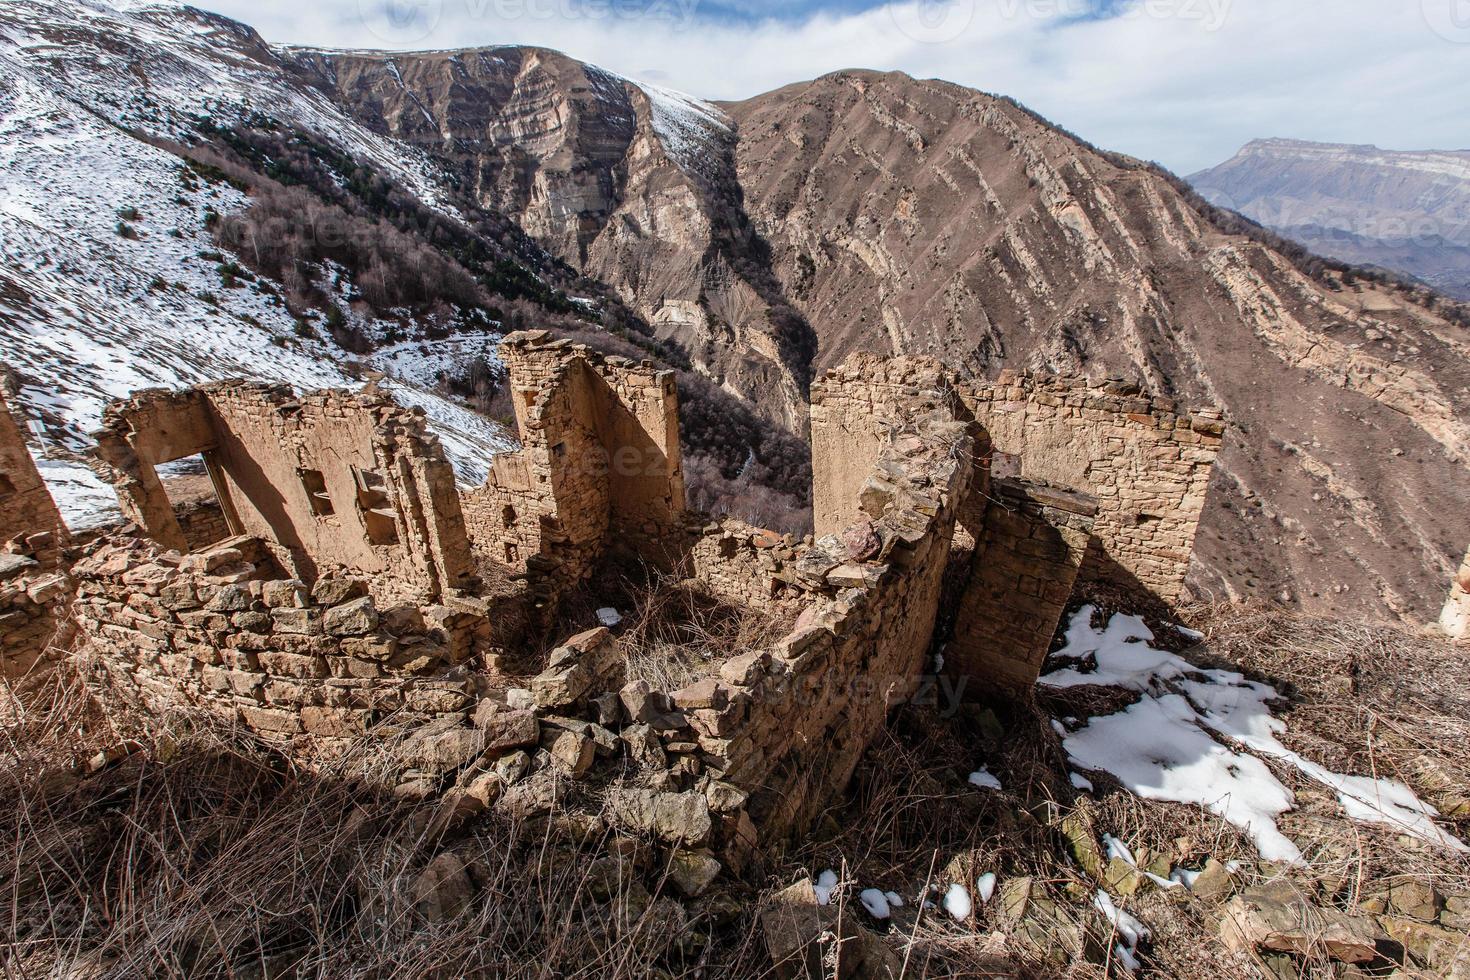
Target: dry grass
[[676, 633], [202, 853]]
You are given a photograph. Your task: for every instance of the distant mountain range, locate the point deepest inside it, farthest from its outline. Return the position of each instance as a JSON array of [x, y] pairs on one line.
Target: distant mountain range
[[1408, 212]]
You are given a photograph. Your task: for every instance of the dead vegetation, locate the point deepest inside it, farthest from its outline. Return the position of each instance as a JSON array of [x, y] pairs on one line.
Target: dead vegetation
[[673, 631], [140, 848]]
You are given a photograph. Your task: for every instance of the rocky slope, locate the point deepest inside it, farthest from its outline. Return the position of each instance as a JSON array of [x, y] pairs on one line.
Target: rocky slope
[[776, 236], [1404, 211], [765, 240]]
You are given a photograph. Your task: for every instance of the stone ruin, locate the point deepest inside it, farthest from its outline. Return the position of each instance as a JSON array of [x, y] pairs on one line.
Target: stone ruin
[[357, 593], [33, 586]]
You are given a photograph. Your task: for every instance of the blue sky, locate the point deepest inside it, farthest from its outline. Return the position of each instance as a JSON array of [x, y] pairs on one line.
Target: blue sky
[[1183, 82]]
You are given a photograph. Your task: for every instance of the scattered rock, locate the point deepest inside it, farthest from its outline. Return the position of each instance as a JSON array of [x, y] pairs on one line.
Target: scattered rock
[[443, 890], [692, 872], [1300, 928]]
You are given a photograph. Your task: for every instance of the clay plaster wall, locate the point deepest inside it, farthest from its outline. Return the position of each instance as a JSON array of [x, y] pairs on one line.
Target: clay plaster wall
[[852, 408]]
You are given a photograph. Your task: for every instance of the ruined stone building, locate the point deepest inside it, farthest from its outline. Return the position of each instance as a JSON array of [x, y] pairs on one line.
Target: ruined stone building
[[30, 524], [358, 593]]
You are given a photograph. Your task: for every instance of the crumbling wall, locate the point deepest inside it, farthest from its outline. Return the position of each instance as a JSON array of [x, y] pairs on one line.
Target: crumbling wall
[[1146, 461], [30, 523], [852, 409], [33, 621], [747, 566], [1455, 619], [756, 750], [333, 482], [224, 631], [1033, 544], [599, 469]]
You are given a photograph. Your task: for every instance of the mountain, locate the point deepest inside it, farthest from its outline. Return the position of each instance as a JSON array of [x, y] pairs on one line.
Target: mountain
[[1408, 212], [632, 184], [751, 244]]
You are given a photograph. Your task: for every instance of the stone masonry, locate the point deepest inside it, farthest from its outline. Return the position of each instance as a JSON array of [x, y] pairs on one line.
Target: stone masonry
[[599, 466], [30, 524], [1146, 460], [331, 482], [1455, 620], [1032, 545]]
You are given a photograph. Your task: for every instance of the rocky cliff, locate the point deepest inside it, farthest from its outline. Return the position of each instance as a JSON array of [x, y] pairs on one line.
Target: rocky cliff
[[630, 183]]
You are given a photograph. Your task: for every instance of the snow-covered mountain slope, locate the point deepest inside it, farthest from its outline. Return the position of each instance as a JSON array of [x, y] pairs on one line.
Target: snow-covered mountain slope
[[109, 278]]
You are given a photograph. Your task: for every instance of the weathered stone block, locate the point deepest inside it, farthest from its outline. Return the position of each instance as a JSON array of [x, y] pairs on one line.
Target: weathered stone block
[[356, 618]]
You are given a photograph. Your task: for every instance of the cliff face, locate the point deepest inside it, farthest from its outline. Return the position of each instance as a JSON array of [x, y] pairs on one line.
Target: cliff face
[[630, 184], [863, 211], [1405, 211]]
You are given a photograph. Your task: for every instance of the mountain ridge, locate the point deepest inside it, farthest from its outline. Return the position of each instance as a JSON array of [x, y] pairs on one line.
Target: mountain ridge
[[1403, 210]]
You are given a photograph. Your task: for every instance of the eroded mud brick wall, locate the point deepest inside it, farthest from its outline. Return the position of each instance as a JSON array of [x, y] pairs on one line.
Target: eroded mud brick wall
[[1146, 461], [1456, 616], [29, 520], [1033, 544], [599, 467], [333, 482]]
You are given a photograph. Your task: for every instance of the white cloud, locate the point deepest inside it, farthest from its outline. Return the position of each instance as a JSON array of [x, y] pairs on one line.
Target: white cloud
[[1185, 82]]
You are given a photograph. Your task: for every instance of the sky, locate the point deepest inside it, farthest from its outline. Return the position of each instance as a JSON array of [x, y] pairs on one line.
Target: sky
[[1182, 82]]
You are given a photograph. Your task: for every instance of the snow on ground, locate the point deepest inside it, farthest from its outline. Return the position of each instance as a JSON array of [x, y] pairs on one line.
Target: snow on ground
[[95, 302], [423, 362], [686, 126], [1195, 736], [984, 779]]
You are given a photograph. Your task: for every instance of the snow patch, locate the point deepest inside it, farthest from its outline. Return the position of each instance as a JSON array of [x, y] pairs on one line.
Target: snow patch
[[1167, 746]]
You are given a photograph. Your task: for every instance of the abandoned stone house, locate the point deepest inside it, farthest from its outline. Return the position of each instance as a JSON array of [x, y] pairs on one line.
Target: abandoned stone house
[[360, 593]]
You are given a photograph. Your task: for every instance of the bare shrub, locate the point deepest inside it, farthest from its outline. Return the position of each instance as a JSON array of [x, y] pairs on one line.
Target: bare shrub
[[676, 633], [200, 852]]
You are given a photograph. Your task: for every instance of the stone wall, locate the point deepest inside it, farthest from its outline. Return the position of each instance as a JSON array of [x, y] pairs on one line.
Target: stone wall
[[748, 566], [599, 469], [334, 482], [1145, 460], [1033, 543], [1455, 620], [33, 620], [225, 632], [30, 524], [204, 524], [755, 750], [852, 409]]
